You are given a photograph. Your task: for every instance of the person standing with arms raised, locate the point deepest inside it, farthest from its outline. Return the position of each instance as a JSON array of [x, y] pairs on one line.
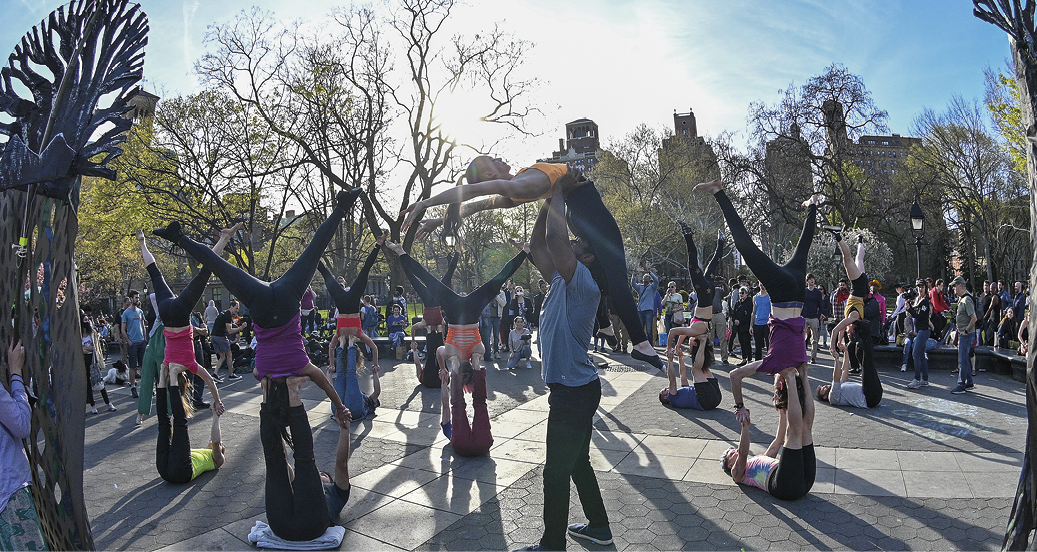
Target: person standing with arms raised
[[566, 323]]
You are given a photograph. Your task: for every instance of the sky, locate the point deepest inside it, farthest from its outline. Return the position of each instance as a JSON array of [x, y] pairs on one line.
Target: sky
[[623, 63]]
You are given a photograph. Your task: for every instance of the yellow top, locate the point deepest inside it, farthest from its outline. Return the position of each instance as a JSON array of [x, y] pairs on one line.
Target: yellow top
[[854, 303], [201, 462], [554, 171]]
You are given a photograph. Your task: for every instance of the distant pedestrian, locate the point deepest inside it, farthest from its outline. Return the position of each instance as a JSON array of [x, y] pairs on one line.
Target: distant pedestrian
[[965, 321]]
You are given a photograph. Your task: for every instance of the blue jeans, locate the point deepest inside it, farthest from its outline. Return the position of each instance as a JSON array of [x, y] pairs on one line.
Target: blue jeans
[[918, 356], [647, 317], [569, 424], [486, 329], [348, 386], [965, 342], [523, 352], [494, 331]]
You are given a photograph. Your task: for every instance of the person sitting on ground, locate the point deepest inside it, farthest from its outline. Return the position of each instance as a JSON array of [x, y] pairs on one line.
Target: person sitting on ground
[[176, 461], [118, 374], [397, 325], [788, 468], [519, 344], [843, 392], [705, 394]]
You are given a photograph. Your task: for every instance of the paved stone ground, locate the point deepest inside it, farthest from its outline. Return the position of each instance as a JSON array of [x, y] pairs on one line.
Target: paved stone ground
[[926, 470]]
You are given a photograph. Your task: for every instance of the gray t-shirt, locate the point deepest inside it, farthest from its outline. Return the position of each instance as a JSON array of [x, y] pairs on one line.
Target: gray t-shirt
[[566, 323], [847, 394]]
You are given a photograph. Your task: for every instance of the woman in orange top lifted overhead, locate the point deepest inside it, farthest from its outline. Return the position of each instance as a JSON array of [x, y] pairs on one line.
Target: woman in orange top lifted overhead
[[588, 217]]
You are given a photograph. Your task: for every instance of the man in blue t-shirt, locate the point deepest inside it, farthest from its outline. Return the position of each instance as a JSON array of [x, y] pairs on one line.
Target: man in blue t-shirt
[[566, 322], [134, 336]]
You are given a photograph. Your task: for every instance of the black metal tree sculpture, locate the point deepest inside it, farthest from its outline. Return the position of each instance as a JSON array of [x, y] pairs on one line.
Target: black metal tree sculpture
[[80, 66], [1017, 19]]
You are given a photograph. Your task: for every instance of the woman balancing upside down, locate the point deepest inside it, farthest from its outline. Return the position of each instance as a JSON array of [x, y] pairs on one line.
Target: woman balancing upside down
[[347, 301], [432, 321], [785, 284], [588, 219], [704, 288], [274, 306], [867, 394], [175, 460], [788, 468], [462, 342], [175, 312]]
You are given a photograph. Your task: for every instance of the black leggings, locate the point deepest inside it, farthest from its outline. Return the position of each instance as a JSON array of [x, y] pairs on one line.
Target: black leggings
[[456, 308], [175, 310], [348, 302], [870, 383], [703, 284], [272, 304], [173, 455], [761, 335], [591, 220], [794, 475], [784, 283], [430, 371], [296, 510], [419, 287], [745, 340]]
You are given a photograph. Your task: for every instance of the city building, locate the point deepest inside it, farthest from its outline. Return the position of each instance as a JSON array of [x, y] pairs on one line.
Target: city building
[[579, 148]]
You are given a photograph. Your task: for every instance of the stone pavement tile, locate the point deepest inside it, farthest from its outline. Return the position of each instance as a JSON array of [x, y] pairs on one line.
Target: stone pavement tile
[[403, 524], [526, 417], [824, 480], [353, 540], [606, 460], [870, 482], [452, 494], [989, 462], [929, 461], [498, 471], [825, 456], [944, 484], [361, 502], [538, 404], [509, 429], [439, 458], [993, 484], [708, 470], [406, 418], [393, 480], [714, 448], [609, 440], [848, 458], [650, 465], [655, 445], [239, 404], [536, 433], [217, 539], [370, 428], [533, 452], [424, 436]]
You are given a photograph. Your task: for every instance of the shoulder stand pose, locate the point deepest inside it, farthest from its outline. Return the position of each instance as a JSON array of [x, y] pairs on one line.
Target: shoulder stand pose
[[854, 314], [842, 392], [785, 285], [275, 306], [788, 468], [175, 312], [175, 460], [705, 393], [704, 288], [588, 218], [433, 323], [566, 323]]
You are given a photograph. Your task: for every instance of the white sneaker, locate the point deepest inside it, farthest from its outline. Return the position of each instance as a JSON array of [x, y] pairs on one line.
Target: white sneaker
[[93, 410], [925, 383], [903, 367], [529, 365], [915, 384]]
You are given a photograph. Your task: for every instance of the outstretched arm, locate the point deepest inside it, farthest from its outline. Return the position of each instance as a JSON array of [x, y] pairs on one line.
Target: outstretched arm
[[215, 438], [738, 470], [737, 375]]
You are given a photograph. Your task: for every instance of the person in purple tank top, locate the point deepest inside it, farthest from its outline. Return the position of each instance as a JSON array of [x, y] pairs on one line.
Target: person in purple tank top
[[787, 469]]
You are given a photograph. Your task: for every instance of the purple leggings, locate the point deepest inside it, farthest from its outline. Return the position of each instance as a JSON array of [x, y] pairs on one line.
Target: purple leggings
[[474, 439]]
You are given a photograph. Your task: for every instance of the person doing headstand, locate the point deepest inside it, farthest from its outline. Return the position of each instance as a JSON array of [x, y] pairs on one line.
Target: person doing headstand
[[433, 324]]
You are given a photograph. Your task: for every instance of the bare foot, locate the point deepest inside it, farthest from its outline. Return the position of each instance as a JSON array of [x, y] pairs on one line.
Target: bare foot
[[163, 376], [174, 371], [295, 384], [711, 187], [229, 232], [140, 234], [381, 239], [394, 247]]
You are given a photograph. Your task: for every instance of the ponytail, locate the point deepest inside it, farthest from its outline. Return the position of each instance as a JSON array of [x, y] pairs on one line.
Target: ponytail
[[452, 219]]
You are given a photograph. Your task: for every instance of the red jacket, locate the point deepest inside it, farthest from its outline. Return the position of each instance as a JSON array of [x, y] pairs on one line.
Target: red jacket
[[939, 304]]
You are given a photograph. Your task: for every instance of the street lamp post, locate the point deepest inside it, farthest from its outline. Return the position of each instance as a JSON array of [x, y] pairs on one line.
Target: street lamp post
[[918, 229]]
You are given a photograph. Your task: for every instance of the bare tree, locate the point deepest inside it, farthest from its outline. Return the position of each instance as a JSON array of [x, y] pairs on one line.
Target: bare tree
[[1017, 19]]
